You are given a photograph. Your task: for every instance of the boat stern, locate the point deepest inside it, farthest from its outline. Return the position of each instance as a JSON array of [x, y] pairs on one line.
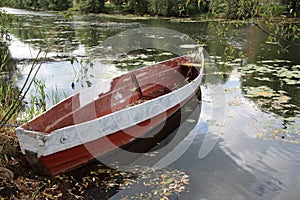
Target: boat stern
[[32, 145], [31, 141]]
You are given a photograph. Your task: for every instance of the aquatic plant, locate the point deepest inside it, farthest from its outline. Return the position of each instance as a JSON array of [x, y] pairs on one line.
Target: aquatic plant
[[81, 69]]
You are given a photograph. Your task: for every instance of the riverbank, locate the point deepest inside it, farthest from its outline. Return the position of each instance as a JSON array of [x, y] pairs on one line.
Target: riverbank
[[120, 15], [19, 181]]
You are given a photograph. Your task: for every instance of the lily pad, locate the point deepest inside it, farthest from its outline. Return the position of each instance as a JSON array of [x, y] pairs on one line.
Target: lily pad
[[282, 99], [262, 78], [262, 91], [291, 82], [264, 94]]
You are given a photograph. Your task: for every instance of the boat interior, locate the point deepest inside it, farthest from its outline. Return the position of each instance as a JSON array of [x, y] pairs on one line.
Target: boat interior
[[127, 90]]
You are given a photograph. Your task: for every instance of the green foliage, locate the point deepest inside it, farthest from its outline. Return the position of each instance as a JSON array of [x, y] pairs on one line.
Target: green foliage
[[239, 9], [193, 7], [266, 16], [54, 4], [7, 64], [138, 7], [18, 96], [292, 7], [158, 7], [38, 99], [164, 7], [230, 9], [7, 91], [81, 72], [39, 4], [235, 9], [192, 10], [55, 96], [5, 20], [8, 94], [118, 2], [89, 6]]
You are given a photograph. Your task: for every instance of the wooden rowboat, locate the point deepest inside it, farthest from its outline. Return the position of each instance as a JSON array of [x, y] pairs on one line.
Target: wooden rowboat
[[109, 115]]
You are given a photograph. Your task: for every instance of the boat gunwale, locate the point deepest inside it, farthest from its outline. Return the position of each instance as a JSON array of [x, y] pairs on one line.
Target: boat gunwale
[[90, 88]]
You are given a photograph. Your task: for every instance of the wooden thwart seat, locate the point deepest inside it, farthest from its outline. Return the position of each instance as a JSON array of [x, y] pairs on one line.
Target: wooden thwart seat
[[138, 88]]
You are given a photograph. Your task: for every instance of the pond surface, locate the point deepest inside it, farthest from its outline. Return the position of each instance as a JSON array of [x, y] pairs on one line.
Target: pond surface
[[244, 145]]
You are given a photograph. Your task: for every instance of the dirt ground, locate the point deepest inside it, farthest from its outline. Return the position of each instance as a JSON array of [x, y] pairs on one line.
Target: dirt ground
[[19, 181]]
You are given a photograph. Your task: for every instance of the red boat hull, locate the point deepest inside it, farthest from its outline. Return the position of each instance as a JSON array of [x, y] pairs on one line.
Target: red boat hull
[[72, 158]]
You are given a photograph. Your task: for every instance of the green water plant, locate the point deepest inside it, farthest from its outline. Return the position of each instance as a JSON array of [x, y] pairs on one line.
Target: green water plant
[[81, 69], [41, 95], [56, 96]]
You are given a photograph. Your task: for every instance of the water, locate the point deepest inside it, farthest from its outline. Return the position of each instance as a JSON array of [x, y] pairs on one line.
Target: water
[[246, 143]]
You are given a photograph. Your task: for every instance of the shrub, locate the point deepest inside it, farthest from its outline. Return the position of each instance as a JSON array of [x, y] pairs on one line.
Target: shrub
[[39, 4], [164, 7], [89, 6], [139, 7]]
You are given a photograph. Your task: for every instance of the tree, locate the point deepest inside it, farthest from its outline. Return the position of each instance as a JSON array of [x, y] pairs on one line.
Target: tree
[[235, 9], [89, 6], [293, 7], [164, 7], [56, 4], [39, 4], [118, 2], [139, 7]]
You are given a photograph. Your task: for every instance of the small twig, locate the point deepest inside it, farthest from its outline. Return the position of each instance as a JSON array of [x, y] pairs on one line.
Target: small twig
[[268, 33], [10, 125], [36, 192]]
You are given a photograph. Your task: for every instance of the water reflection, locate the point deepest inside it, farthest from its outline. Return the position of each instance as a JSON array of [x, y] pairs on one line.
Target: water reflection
[[271, 79], [8, 68], [7, 63], [241, 165]]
